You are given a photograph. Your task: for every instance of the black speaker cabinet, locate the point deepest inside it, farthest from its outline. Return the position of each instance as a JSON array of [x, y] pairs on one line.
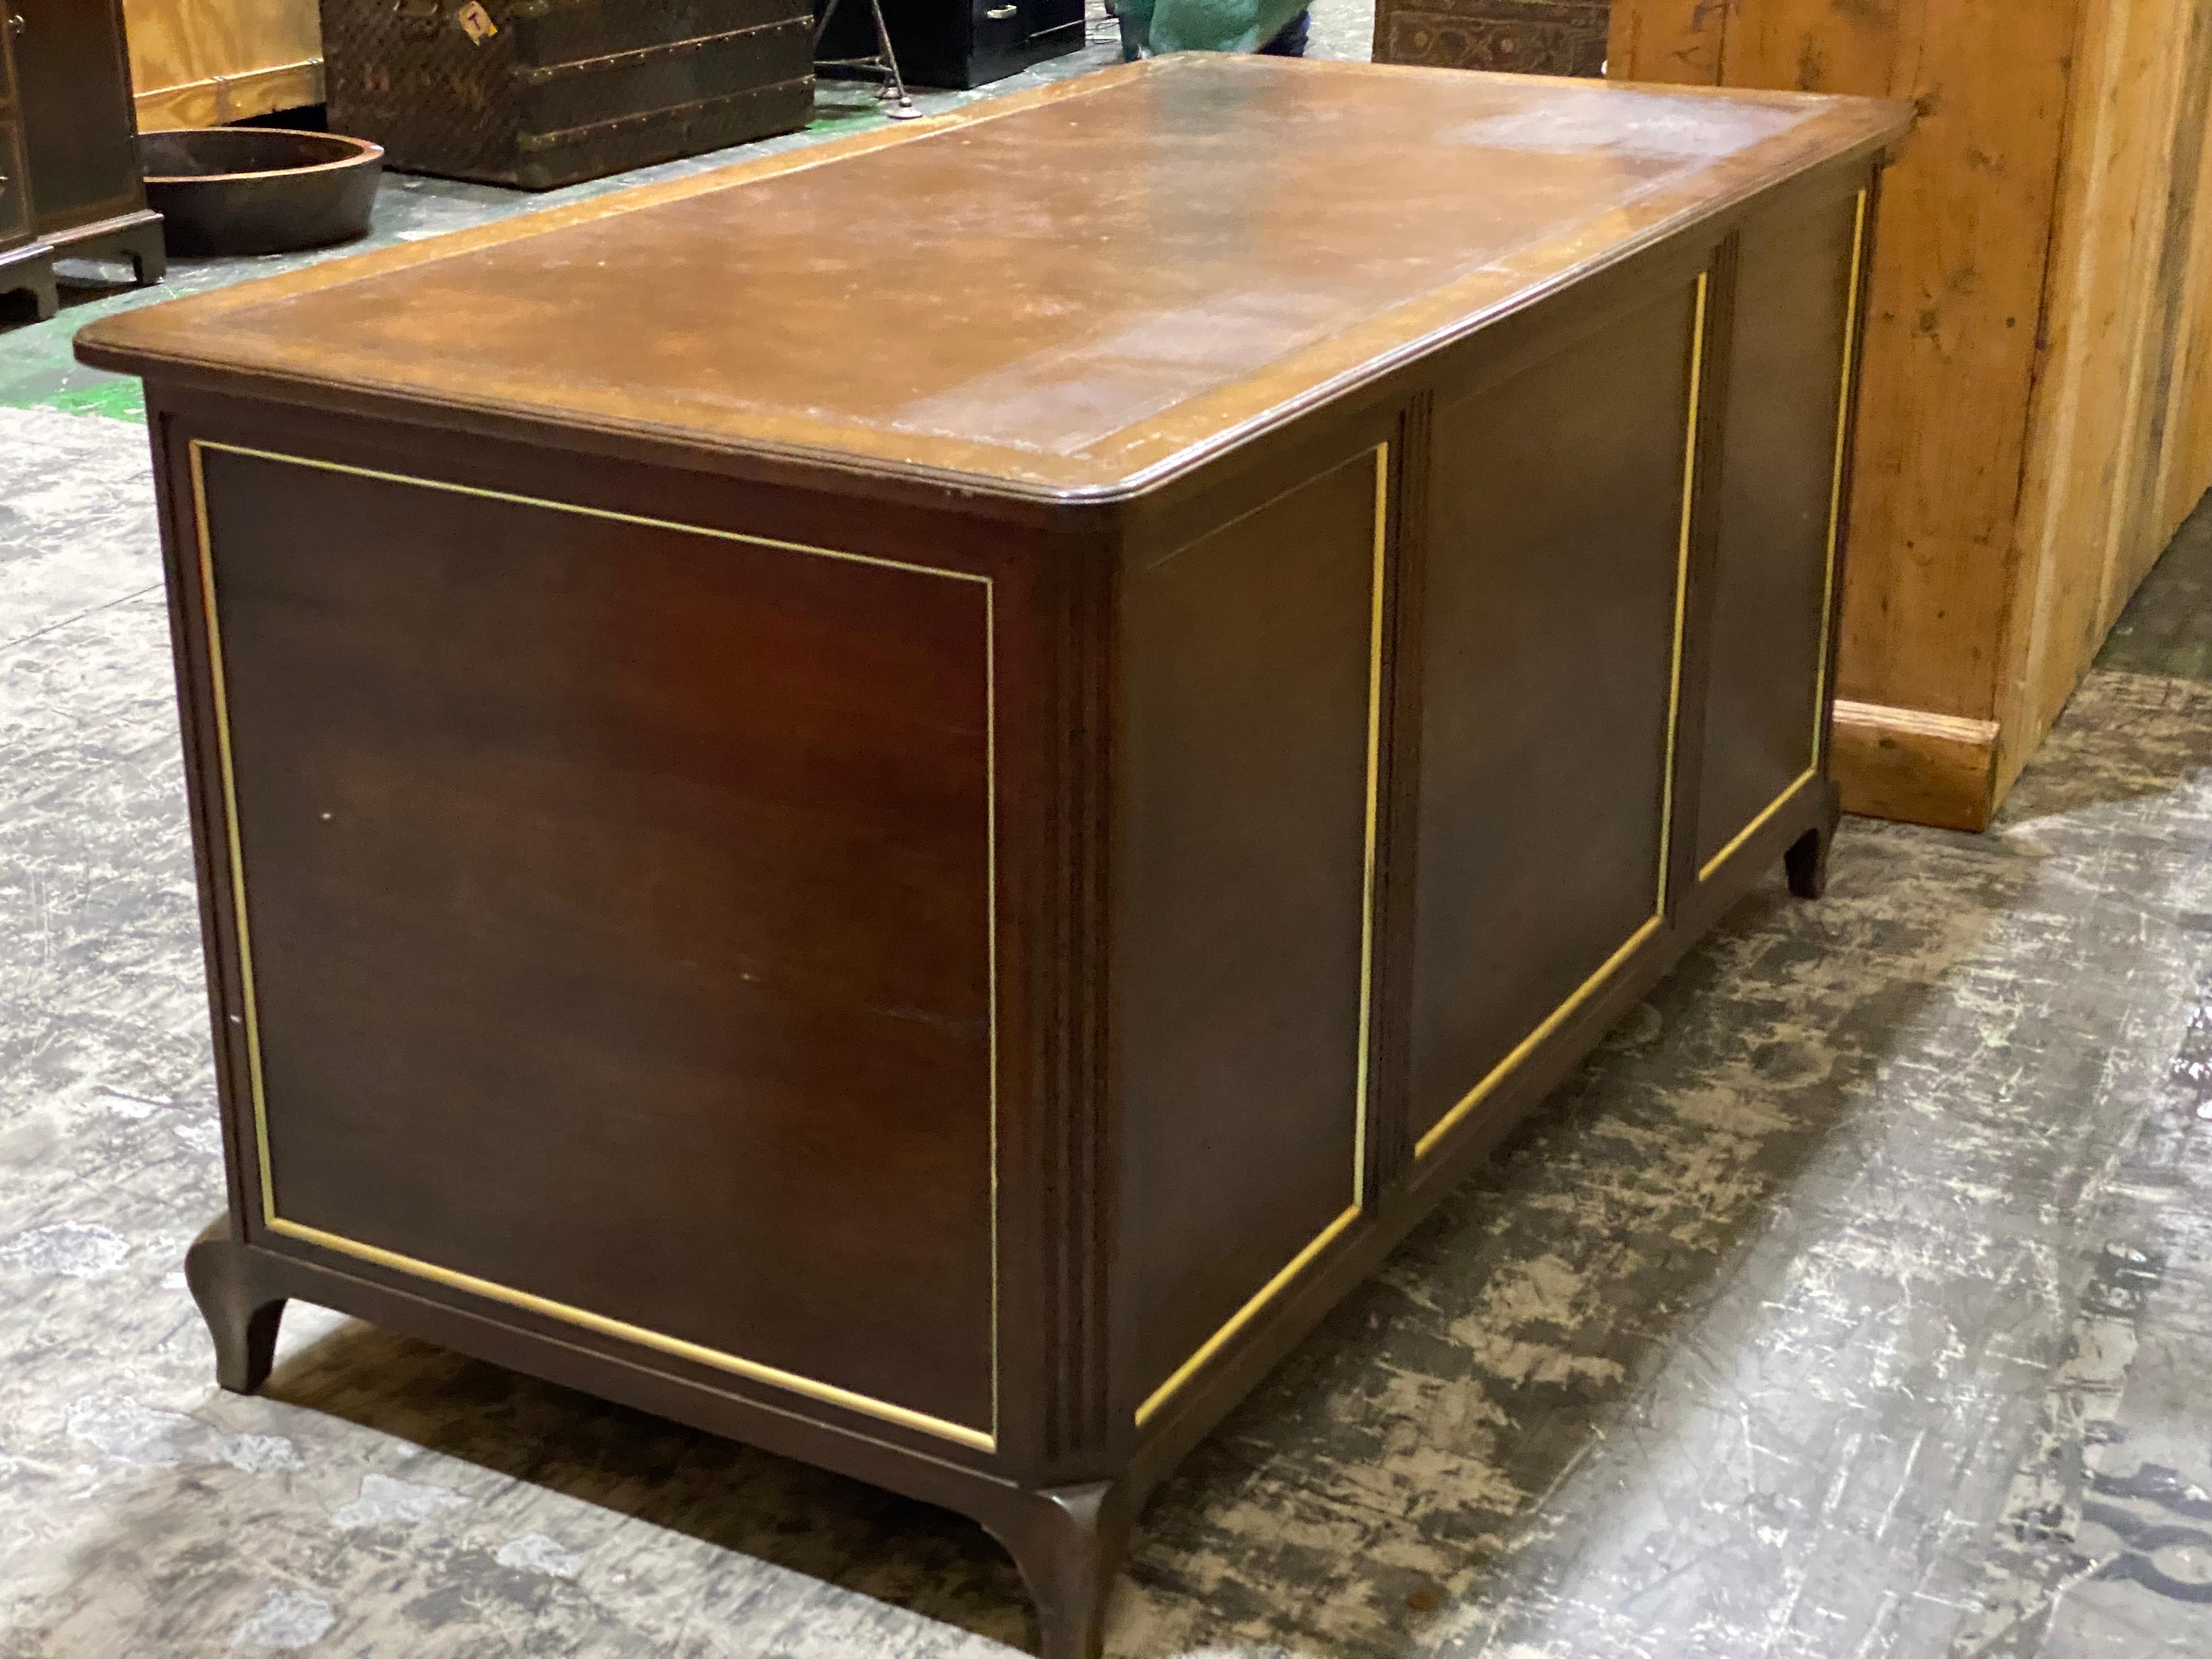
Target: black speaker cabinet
[[956, 43]]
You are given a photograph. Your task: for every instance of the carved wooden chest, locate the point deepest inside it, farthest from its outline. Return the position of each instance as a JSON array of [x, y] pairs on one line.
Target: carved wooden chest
[[1527, 37]]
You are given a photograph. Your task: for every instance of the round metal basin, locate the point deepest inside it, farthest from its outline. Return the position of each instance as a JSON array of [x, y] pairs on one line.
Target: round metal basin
[[258, 189]]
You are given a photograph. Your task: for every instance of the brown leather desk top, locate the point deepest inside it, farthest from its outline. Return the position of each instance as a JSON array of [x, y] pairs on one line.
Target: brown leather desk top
[[1066, 292]]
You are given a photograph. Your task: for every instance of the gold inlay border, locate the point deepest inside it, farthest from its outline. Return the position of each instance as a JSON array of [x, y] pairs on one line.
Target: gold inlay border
[[1274, 1287], [1583, 993], [1851, 309], [753, 1371]]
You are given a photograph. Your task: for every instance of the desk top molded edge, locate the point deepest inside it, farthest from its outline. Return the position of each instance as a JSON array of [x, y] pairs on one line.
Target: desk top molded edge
[[184, 339]]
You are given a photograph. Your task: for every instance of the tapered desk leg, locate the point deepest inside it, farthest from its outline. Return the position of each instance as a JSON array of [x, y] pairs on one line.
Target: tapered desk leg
[[242, 1314], [1069, 1542], [1807, 860]]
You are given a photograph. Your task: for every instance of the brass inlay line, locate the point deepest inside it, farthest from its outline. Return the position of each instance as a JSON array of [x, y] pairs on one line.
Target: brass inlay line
[[1268, 1293], [217, 683], [1551, 1023], [1582, 993], [1851, 309], [1756, 825], [451, 488], [828, 1393], [753, 1370], [1682, 589], [1374, 813], [991, 951], [1243, 1316]]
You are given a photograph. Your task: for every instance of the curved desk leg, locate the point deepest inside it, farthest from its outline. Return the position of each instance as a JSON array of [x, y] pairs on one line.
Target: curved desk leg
[[242, 1313], [1807, 860], [1069, 1542]]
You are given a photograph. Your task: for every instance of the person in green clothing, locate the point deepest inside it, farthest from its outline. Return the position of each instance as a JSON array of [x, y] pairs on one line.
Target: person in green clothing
[[1291, 41], [1277, 28]]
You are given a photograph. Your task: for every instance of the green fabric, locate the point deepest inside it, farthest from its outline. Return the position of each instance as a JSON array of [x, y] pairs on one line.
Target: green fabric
[[1152, 26]]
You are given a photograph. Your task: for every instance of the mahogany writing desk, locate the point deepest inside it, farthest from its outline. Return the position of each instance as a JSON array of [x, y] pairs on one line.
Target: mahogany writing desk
[[908, 802]]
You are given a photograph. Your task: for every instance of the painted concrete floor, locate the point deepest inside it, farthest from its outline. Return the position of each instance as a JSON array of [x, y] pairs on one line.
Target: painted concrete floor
[[1855, 1301]]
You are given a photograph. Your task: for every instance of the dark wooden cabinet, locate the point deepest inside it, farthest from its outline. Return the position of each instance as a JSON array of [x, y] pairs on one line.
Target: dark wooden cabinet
[[958, 43], [921, 853], [27, 264], [69, 146]]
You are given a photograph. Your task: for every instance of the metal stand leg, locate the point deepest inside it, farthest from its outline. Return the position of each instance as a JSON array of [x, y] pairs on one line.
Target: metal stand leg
[[884, 63]]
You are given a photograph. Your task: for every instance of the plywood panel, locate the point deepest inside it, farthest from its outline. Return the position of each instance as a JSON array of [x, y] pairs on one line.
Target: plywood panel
[[2192, 439], [1673, 40], [1951, 356], [2113, 447], [1819, 45], [2037, 412], [1956, 290], [2188, 335], [1924, 768], [202, 62], [2145, 530], [2083, 414]]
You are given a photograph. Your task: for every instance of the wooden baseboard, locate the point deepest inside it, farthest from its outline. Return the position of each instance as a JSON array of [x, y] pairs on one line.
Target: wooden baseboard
[[225, 98], [1915, 767]]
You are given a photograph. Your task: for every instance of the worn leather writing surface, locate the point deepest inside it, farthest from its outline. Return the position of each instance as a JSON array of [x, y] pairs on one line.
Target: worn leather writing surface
[[1065, 292]]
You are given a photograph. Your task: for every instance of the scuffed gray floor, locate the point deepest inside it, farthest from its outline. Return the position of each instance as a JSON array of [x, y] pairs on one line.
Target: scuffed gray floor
[[1856, 1301]]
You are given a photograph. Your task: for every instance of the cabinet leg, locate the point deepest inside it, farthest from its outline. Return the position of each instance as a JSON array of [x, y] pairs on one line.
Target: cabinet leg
[[148, 253], [1069, 1542], [35, 282], [242, 1314]]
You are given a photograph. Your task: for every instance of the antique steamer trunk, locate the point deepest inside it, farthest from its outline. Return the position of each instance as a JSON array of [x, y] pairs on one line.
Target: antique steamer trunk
[[541, 93], [921, 854]]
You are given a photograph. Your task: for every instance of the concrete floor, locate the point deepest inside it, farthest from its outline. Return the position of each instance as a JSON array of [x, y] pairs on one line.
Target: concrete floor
[[1854, 1301]]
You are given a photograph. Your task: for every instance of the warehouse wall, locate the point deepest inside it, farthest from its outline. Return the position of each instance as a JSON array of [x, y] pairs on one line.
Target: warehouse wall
[[202, 63], [2034, 416]]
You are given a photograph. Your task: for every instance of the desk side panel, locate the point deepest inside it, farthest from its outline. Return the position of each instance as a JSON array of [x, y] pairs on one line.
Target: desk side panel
[[1779, 501], [620, 905], [1243, 785], [1551, 631]]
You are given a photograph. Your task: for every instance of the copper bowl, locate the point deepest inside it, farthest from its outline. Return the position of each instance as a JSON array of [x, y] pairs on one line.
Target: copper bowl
[[258, 189]]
